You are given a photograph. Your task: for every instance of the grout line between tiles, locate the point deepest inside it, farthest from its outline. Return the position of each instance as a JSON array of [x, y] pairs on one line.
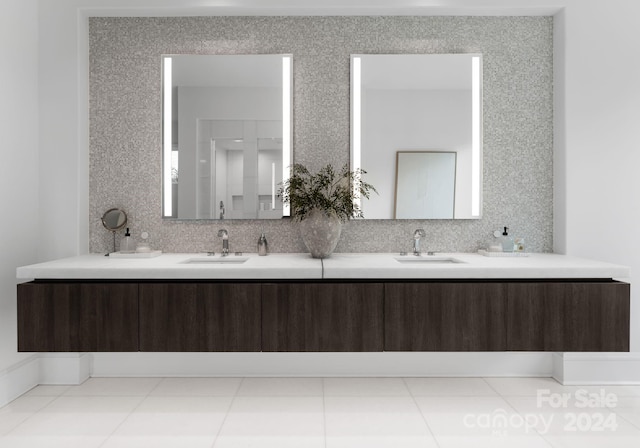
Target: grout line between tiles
[[224, 420], [623, 417], [491, 387], [31, 416], [324, 415], [142, 399], [415, 402], [548, 442]]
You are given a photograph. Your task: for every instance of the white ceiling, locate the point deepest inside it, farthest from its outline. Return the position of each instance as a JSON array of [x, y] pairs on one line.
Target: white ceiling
[[161, 8]]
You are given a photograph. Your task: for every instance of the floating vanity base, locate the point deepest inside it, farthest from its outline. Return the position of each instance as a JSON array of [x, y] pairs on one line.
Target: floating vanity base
[[323, 315]]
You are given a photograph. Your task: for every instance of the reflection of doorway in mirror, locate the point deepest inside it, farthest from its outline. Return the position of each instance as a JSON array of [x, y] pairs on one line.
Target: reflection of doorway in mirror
[[238, 162], [425, 185]]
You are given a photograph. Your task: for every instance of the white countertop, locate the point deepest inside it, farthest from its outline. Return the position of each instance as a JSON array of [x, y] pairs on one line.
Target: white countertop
[[471, 266], [173, 266], [338, 266]]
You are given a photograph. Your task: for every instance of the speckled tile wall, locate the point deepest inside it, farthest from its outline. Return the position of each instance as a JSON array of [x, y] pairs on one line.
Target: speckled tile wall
[[125, 117]]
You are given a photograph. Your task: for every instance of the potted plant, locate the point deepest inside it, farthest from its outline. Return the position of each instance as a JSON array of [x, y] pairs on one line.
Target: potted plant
[[322, 201]]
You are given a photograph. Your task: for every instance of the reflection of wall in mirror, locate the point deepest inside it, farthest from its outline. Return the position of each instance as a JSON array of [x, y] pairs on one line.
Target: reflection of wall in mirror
[[414, 119]]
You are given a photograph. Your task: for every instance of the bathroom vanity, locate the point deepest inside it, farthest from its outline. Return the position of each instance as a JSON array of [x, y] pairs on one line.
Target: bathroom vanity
[[346, 303]]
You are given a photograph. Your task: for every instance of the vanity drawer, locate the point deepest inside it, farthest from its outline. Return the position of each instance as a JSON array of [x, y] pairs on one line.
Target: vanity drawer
[[77, 317], [200, 317], [568, 316], [322, 317], [442, 316]]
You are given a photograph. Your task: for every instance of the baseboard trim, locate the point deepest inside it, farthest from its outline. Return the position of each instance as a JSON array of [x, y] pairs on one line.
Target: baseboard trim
[[558, 367], [64, 368], [391, 364], [19, 378], [600, 368], [75, 368]]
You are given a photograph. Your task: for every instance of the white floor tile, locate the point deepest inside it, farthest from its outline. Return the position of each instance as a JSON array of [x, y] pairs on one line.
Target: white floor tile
[[50, 441], [573, 422], [185, 441], [76, 419], [372, 387], [628, 403], [450, 387], [519, 387], [270, 417], [114, 387], [19, 410], [561, 417], [492, 441], [292, 412], [201, 387], [239, 441], [618, 391], [477, 421], [172, 422], [47, 391], [375, 422], [631, 415], [593, 441], [381, 442], [274, 387], [628, 408]]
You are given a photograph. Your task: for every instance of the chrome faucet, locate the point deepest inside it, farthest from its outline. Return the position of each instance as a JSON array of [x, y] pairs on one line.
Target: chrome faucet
[[225, 241], [419, 233]]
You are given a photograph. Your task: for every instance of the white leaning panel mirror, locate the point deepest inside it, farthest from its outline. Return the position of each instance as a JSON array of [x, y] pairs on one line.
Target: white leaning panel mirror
[[418, 103], [226, 135]]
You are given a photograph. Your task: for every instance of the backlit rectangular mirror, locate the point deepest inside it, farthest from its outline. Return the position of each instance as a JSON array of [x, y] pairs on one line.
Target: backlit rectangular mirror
[[416, 128], [226, 135]]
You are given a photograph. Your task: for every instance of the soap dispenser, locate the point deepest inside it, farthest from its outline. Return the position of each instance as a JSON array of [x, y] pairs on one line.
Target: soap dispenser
[[127, 245], [507, 241], [263, 246]]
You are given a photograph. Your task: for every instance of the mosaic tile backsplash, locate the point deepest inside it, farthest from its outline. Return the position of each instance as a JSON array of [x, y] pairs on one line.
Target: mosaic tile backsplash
[[126, 128]]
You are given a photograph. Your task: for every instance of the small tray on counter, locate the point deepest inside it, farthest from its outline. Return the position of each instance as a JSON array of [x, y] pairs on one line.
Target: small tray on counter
[[153, 253], [503, 254]]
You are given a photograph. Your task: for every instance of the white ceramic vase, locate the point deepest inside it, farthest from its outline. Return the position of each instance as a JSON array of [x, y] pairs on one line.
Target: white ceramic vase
[[320, 233]]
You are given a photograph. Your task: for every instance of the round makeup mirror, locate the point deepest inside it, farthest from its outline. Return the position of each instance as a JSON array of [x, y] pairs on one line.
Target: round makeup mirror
[[113, 220]]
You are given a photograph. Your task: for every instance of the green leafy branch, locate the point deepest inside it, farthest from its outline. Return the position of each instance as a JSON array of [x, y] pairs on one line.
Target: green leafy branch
[[327, 190]]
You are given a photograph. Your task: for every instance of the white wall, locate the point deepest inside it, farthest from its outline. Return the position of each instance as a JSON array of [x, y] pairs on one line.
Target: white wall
[[19, 176], [63, 130], [597, 112], [600, 85]]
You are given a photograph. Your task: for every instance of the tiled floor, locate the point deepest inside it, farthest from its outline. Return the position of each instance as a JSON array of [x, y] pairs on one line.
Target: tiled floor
[[322, 412]]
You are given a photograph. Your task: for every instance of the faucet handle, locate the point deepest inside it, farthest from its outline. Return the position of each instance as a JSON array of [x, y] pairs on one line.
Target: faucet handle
[[419, 233], [223, 233]]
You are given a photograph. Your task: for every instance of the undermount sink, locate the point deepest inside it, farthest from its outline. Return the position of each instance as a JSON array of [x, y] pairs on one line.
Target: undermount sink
[[216, 260], [427, 259]]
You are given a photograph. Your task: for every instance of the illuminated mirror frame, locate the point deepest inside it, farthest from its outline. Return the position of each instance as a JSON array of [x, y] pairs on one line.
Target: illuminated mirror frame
[[476, 127], [167, 67]]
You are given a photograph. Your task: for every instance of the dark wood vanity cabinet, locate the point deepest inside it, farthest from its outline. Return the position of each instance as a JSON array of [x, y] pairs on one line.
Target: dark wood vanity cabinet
[[568, 316], [443, 316], [200, 317], [77, 317], [322, 317]]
